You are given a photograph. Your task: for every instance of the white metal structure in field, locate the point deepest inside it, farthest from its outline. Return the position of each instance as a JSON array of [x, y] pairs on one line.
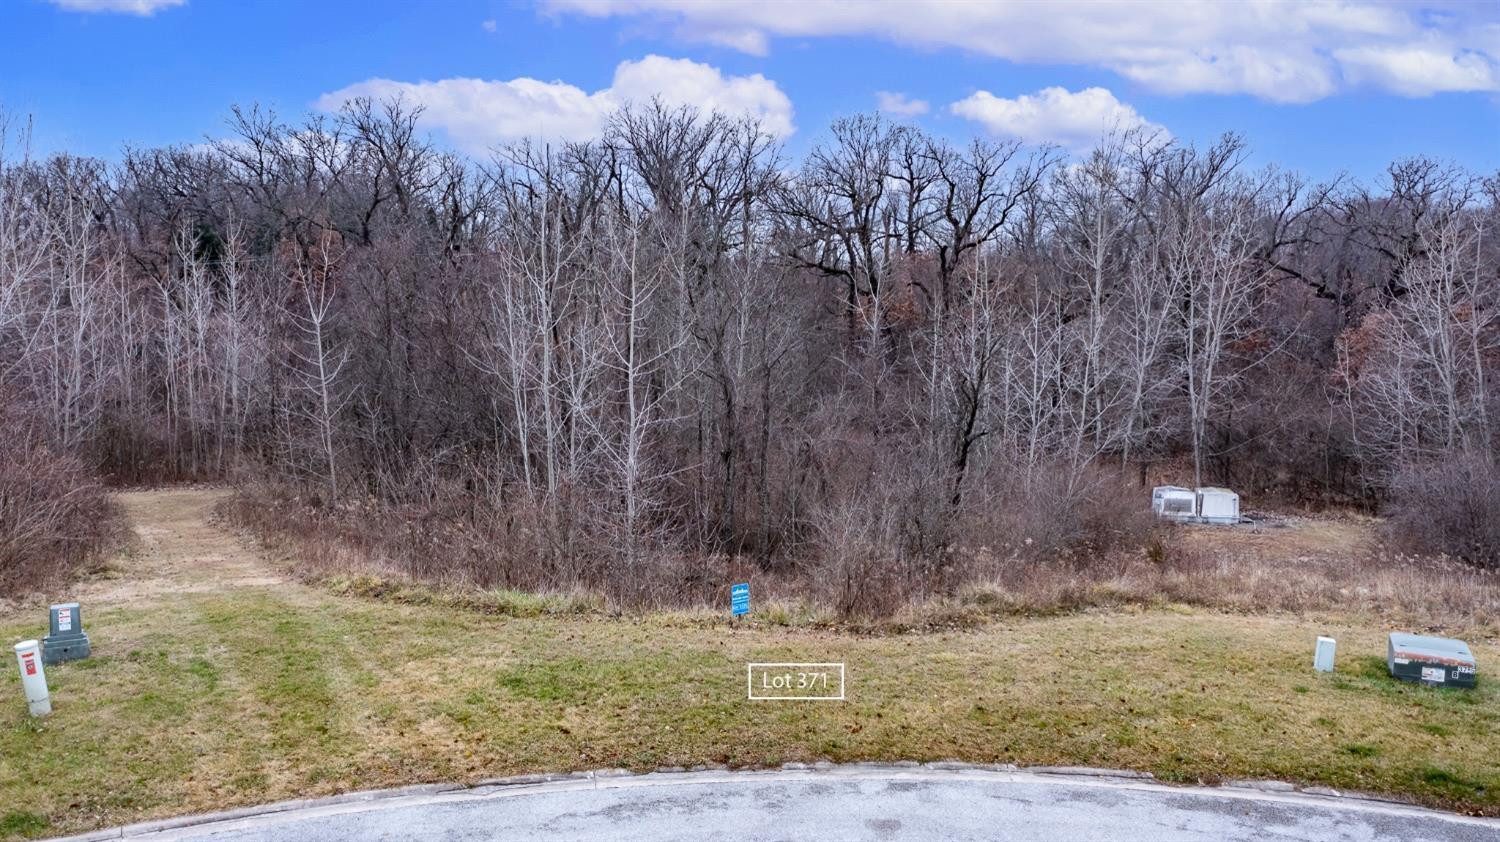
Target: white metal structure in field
[[1205, 505], [1170, 501], [1218, 505]]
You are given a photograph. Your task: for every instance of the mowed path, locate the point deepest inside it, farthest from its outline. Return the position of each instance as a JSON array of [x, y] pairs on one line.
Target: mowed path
[[179, 549]]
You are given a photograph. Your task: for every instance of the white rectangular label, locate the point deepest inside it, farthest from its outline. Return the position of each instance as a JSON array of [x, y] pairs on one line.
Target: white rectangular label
[[785, 682], [1437, 674], [64, 619]]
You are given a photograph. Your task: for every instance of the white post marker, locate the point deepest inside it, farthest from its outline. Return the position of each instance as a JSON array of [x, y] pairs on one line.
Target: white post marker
[[1323, 655], [33, 679]]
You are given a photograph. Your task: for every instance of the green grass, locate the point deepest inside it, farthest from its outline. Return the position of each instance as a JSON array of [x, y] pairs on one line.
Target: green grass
[[202, 702], [22, 823]]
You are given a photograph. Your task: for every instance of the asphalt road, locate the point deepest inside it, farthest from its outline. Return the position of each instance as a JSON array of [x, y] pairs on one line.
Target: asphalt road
[[842, 803]]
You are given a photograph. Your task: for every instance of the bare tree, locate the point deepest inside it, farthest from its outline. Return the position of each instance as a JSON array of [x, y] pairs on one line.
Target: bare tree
[[1417, 372], [1222, 283], [319, 358], [638, 357]]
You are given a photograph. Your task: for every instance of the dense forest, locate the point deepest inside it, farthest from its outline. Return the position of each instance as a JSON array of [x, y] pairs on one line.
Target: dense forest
[[633, 364]]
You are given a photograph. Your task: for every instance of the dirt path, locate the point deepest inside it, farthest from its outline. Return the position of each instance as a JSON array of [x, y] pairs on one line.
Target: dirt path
[[178, 549]]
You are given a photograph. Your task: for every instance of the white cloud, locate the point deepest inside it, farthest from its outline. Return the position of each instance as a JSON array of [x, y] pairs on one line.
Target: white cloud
[[143, 8], [684, 82], [751, 41], [1419, 71], [489, 25], [1278, 50], [1053, 115], [899, 104], [479, 113]]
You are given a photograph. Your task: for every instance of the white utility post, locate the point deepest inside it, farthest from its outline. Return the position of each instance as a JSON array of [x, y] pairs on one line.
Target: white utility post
[[1323, 655], [33, 678]]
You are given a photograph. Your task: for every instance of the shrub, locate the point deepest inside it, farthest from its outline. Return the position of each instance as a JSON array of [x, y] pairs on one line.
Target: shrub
[[1451, 506], [1057, 515], [55, 518], [899, 539]]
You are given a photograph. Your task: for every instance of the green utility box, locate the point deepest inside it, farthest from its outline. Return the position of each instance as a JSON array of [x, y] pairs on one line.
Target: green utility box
[[1435, 661], [67, 640]]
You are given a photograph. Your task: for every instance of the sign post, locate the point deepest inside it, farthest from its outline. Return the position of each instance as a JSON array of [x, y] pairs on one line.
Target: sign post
[[739, 599], [33, 678]]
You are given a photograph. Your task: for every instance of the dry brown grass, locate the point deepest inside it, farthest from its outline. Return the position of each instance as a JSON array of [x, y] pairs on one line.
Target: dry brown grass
[[1288, 564], [1296, 566]]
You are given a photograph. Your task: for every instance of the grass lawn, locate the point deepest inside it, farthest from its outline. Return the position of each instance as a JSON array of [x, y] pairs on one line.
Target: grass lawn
[[202, 701]]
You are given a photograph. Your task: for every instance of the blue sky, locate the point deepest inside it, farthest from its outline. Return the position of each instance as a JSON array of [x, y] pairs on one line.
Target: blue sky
[[1319, 87]]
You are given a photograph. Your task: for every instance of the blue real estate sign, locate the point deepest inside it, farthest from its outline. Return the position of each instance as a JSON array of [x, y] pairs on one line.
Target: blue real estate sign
[[739, 599]]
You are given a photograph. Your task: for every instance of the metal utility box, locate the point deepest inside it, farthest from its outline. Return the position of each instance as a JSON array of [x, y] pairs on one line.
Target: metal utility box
[[1323, 654], [1435, 661], [67, 640], [1218, 505], [1169, 501]]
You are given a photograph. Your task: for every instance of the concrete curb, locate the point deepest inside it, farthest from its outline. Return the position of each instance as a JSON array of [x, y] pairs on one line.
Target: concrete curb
[[519, 785], [180, 822]]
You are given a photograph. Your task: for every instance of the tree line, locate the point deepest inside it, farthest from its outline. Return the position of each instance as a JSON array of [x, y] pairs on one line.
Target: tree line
[[894, 360]]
